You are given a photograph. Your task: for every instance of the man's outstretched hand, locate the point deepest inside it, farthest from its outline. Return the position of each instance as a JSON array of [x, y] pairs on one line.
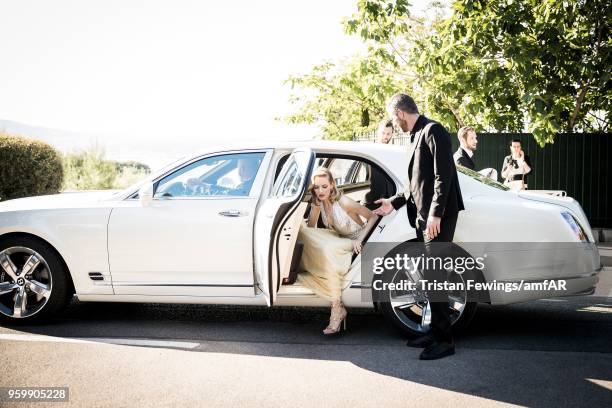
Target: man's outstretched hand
[[385, 207]]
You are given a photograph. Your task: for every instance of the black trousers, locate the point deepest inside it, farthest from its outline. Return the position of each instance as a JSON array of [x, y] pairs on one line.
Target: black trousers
[[440, 313]]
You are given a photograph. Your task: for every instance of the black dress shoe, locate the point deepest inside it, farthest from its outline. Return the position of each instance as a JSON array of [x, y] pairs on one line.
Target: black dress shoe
[[421, 342], [438, 350]]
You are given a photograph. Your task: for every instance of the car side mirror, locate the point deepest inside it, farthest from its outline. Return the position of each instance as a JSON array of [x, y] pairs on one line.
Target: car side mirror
[[145, 194]]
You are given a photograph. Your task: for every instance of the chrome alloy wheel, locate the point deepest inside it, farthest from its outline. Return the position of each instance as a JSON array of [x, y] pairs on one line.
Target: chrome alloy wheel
[[412, 308], [25, 282]]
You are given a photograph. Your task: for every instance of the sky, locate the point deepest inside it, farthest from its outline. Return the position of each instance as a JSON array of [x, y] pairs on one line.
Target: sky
[[153, 79]]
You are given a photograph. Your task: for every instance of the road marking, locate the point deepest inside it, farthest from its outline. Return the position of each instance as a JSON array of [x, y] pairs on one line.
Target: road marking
[[105, 340]]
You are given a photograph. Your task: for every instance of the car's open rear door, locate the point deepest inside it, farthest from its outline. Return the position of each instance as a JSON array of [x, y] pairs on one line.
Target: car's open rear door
[[288, 190]]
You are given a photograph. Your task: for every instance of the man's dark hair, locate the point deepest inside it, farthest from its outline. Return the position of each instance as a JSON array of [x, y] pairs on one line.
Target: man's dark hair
[[402, 102], [516, 141], [385, 123]]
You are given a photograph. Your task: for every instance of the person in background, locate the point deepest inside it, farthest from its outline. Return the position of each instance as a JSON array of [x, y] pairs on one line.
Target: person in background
[[380, 185], [468, 140], [516, 166], [384, 134]]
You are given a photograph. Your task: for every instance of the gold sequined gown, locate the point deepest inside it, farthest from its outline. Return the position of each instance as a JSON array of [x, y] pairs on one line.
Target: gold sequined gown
[[327, 253]]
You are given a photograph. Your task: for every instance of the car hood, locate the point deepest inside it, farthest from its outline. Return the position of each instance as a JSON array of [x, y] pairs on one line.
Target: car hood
[[63, 200], [567, 202]]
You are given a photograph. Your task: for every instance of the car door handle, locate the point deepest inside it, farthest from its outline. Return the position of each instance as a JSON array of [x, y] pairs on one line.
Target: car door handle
[[232, 213]]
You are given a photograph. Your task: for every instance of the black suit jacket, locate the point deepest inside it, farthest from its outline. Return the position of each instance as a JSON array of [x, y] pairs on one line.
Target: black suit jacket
[[380, 187], [432, 187], [463, 159]]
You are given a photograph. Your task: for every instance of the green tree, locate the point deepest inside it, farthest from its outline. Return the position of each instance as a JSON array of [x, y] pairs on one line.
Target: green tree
[[507, 65], [87, 170], [446, 78], [342, 98], [397, 43], [557, 54]]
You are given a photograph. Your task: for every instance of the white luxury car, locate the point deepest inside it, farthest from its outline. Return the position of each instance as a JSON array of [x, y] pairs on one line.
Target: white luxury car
[[220, 227]]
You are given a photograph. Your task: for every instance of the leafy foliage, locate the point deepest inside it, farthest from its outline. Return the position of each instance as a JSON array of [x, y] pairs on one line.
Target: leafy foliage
[[557, 54], [342, 97], [508, 65], [89, 170], [28, 167]]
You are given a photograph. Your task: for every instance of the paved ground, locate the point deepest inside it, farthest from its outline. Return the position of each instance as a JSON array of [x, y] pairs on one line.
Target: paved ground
[[545, 353]]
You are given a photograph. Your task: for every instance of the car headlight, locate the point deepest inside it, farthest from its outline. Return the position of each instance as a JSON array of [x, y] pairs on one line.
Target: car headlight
[[575, 226]]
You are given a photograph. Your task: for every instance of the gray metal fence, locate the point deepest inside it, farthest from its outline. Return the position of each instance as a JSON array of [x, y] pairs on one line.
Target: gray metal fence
[[577, 163]]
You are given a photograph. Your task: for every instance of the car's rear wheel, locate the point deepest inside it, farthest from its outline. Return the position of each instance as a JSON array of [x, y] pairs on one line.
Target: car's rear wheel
[[34, 283], [410, 310]]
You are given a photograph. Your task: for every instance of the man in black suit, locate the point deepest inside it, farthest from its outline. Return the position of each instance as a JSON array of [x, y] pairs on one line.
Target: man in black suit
[[467, 146], [433, 199], [381, 186]]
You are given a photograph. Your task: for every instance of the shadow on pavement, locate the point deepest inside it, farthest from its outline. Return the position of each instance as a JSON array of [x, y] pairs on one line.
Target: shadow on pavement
[[509, 354]]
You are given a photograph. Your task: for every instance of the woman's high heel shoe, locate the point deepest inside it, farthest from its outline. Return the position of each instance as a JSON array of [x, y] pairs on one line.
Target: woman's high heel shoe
[[337, 320]]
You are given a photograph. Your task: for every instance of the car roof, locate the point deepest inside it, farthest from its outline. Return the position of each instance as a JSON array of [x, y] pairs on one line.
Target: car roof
[[390, 157], [367, 148]]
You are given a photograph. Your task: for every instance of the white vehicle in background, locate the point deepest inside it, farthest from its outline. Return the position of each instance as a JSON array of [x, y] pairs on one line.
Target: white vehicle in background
[[193, 233]]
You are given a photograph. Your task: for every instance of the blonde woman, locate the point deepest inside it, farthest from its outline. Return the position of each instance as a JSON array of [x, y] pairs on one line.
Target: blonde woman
[[328, 252]]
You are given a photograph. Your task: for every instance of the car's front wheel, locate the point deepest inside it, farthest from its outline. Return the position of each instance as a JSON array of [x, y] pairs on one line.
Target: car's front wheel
[[34, 282]]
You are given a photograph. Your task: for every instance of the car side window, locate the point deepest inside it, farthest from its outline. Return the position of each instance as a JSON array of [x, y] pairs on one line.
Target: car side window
[[343, 171], [224, 175]]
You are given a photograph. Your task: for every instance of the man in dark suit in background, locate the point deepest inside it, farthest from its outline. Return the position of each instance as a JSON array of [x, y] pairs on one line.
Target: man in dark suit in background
[[381, 186], [433, 199], [468, 140]]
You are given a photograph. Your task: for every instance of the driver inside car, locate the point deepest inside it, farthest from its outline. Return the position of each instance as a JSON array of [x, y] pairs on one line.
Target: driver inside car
[[247, 170]]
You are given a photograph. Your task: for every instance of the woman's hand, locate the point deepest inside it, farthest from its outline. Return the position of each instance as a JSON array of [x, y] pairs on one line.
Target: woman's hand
[[357, 246], [315, 210]]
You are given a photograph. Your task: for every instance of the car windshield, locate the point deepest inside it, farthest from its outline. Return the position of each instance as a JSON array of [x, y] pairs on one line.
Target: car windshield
[[483, 179]]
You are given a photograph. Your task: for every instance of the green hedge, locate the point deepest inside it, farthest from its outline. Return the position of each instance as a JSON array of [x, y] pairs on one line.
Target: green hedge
[[28, 168]]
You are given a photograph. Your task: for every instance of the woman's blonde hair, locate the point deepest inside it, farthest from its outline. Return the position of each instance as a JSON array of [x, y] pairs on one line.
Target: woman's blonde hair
[[335, 192]]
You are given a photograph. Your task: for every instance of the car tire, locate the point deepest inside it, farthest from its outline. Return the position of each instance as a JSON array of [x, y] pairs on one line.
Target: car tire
[[406, 318], [47, 287]]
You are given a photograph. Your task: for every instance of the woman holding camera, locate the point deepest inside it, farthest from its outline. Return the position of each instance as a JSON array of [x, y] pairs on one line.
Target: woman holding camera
[[516, 166]]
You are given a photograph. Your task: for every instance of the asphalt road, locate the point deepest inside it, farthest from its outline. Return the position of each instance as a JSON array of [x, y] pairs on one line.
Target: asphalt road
[[544, 353]]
